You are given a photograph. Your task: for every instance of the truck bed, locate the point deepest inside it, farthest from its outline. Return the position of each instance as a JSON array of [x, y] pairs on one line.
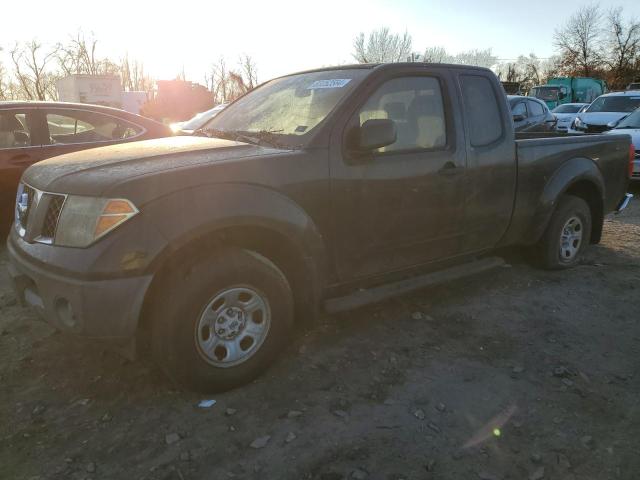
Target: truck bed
[[545, 157]]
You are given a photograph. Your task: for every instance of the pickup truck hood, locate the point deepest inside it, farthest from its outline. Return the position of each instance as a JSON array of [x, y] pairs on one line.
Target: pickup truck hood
[[90, 172], [601, 118]]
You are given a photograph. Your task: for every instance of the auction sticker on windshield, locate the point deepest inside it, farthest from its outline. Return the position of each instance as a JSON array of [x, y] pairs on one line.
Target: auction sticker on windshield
[[330, 83]]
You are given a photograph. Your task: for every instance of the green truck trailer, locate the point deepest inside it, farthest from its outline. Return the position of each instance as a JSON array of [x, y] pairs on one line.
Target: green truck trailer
[[569, 90]]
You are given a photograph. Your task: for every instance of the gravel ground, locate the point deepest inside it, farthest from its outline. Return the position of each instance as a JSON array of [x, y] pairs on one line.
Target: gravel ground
[[515, 374]]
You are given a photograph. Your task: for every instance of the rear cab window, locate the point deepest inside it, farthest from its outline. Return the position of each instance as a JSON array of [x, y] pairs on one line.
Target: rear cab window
[[480, 104]]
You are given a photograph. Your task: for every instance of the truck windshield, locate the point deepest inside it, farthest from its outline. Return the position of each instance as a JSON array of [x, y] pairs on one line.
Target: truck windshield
[[614, 104], [287, 109], [632, 121], [546, 93]]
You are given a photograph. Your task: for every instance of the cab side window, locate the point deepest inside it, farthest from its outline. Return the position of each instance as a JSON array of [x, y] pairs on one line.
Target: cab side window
[[415, 105], [15, 129], [481, 109], [77, 126]]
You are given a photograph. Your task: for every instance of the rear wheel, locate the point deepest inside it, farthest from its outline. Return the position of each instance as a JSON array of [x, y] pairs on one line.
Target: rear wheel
[[222, 320], [566, 236]]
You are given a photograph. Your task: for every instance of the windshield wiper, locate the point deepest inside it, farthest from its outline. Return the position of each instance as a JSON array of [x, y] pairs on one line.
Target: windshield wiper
[[626, 126], [269, 138], [214, 133], [262, 137]]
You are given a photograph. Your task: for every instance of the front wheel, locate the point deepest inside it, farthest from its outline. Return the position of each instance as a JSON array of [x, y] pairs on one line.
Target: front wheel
[[566, 236], [220, 321]]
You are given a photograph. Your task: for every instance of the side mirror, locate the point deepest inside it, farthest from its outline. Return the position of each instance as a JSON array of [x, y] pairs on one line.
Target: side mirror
[[375, 133], [518, 117]]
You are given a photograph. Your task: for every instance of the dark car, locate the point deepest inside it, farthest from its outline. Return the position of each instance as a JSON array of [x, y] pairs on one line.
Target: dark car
[[322, 190], [33, 131], [531, 115]]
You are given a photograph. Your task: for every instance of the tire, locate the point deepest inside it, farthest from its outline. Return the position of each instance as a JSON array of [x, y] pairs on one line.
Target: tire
[[219, 322], [566, 236]]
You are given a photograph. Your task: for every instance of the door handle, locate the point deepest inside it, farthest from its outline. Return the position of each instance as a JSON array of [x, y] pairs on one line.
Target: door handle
[[449, 168]]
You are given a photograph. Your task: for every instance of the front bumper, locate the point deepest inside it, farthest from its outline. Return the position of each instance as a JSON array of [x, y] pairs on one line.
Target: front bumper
[[105, 308]]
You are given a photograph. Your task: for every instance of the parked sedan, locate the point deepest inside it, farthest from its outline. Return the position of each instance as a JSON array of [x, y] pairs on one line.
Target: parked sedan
[[531, 115], [631, 126], [33, 131], [566, 114]]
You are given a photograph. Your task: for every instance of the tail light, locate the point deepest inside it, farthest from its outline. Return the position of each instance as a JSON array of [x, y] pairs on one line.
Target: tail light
[[632, 156]]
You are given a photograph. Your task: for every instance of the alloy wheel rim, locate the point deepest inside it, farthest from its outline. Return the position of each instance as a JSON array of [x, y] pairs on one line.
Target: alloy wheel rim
[[233, 326]]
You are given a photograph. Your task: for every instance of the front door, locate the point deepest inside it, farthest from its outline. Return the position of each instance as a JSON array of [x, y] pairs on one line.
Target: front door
[[20, 147], [401, 205]]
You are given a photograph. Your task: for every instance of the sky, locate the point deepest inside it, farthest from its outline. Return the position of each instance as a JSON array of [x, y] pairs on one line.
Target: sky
[[284, 36]]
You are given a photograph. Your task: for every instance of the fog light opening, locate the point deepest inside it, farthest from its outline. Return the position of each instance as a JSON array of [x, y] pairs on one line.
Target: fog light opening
[[64, 312]]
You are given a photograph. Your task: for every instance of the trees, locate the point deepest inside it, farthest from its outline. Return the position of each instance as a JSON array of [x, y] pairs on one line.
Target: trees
[[382, 46], [78, 56], [36, 68], [227, 84], [623, 45], [30, 69], [593, 43], [579, 41], [528, 70], [479, 58]]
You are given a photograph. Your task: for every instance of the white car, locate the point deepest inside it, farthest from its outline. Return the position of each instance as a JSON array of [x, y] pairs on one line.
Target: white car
[[566, 114], [631, 126], [188, 127], [606, 111]]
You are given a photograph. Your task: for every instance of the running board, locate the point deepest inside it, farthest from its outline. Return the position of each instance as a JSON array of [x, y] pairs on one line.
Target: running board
[[360, 298]]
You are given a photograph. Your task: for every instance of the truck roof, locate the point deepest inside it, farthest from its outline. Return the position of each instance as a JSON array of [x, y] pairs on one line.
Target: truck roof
[[390, 66]]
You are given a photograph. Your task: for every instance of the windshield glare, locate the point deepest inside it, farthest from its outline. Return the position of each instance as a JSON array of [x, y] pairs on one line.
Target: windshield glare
[[632, 121], [289, 107], [614, 104]]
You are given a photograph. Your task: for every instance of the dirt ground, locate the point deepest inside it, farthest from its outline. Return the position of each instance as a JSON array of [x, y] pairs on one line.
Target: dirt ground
[[515, 374]]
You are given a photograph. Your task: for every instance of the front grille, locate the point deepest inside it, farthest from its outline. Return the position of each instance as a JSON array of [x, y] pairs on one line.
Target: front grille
[[596, 128], [53, 214], [37, 214], [26, 200]]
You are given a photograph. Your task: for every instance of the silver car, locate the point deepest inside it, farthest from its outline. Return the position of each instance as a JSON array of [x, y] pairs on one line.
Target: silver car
[[631, 126], [566, 114], [606, 111]]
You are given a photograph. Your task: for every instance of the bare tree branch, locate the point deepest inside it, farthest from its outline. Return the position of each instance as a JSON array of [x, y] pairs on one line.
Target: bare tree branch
[[381, 46]]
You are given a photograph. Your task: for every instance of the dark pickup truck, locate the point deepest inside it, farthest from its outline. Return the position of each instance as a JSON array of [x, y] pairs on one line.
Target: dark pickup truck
[[322, 190]]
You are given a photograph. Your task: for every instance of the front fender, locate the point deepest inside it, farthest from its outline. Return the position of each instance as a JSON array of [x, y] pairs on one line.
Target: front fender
[[576, 170], [186, 215]]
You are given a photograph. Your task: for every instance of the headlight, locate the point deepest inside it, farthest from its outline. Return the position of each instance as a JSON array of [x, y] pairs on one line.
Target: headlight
[[84, 220], [577, 123]]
